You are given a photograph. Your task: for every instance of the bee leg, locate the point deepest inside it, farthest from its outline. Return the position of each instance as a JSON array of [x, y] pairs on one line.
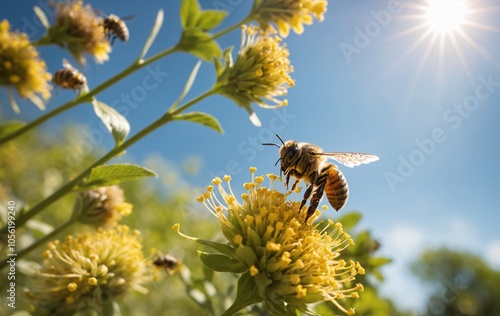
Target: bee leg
[[307, 194], [287, 180], [318, 193], [294, 185]]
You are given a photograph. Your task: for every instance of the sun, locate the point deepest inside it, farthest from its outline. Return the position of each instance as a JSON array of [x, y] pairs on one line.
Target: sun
[[446, 16]]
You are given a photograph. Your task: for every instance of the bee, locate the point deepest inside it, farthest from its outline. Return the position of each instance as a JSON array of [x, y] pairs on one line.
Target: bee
[[114, 27], [167, 262], [308, 162], [69, 77]]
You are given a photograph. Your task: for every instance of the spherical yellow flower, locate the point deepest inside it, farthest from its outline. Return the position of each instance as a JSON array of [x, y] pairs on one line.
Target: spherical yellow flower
[[293, 263], [103, 206], [80, 30], [22, 68], [88, 271], [286, 14], [260, 72]]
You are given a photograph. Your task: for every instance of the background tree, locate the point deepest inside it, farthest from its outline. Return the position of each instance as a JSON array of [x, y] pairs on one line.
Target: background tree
[[463, 284]]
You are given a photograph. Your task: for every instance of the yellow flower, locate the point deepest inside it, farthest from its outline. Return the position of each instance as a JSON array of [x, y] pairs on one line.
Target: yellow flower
[[22, 68], [286, 14], [103, 206], [292, 263], [80, 30], [87, 271], [261, 70]]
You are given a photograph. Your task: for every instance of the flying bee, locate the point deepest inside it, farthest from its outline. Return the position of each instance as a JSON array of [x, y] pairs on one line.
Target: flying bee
[[167, 262], [308, 162], [114, 27], [69, 77]]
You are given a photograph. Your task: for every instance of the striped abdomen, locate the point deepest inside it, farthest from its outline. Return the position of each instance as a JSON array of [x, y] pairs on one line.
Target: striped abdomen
[[69, 79], [336, 188]]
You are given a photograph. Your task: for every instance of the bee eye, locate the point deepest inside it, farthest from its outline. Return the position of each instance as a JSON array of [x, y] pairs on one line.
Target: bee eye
[[293, 151]]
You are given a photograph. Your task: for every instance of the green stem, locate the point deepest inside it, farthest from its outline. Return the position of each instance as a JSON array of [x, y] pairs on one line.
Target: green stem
[[232, 27], [39, 242], [87, 97], [68, 187]]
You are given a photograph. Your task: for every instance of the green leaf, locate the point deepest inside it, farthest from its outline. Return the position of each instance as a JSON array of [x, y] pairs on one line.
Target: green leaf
[[42, 17], [190, 12], [246, 295], [153, 34], [113, 174], [116, 123], [277, 308], [189, 84], [378, 275], [201, 118], [221, 263], [195, 41], [350, 220], [10, 127], [378, 261], [208, 19], [222, 248]]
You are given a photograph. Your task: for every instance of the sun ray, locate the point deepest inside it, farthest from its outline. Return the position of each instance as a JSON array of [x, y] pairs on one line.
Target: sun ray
[[410, 50], [460, 56], [420, 67], [484, 53]]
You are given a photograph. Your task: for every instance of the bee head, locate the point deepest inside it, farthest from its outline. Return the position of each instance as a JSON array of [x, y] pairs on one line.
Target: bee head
[[289, 152]]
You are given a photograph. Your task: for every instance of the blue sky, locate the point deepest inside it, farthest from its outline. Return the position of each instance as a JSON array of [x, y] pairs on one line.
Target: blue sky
[[367, 80]]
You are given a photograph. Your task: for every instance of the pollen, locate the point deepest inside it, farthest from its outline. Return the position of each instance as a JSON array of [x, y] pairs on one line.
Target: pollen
[[296, 260], [122, 267], [21, 68], [254, 271], [260, 73], [80, 30], [289, 14], [72, 287]]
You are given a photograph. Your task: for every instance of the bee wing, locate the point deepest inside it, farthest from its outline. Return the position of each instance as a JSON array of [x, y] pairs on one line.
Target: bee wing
[[67, 65], [350, 159]]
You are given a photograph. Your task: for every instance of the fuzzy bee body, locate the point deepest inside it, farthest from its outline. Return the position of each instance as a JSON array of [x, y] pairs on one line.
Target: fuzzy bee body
[[167, 262], [308, 162], [69, 77], [114, 27]]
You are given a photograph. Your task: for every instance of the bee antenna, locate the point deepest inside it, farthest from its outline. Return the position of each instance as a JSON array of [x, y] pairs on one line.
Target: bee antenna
[[281, 139], [270, 144], [277, 162]]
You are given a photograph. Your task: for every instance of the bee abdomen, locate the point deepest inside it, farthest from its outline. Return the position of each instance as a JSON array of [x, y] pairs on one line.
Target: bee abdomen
[[113, 25], [336, 188], [68, 79]]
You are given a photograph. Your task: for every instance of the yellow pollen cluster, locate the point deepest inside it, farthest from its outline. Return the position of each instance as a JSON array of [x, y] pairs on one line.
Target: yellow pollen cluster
[[261, 71], [289, 14], [271, 238], [81, 30], [22, 68], [110, 261]]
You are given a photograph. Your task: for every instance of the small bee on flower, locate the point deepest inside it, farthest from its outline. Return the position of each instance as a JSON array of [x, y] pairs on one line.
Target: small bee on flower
[[79, 29]]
